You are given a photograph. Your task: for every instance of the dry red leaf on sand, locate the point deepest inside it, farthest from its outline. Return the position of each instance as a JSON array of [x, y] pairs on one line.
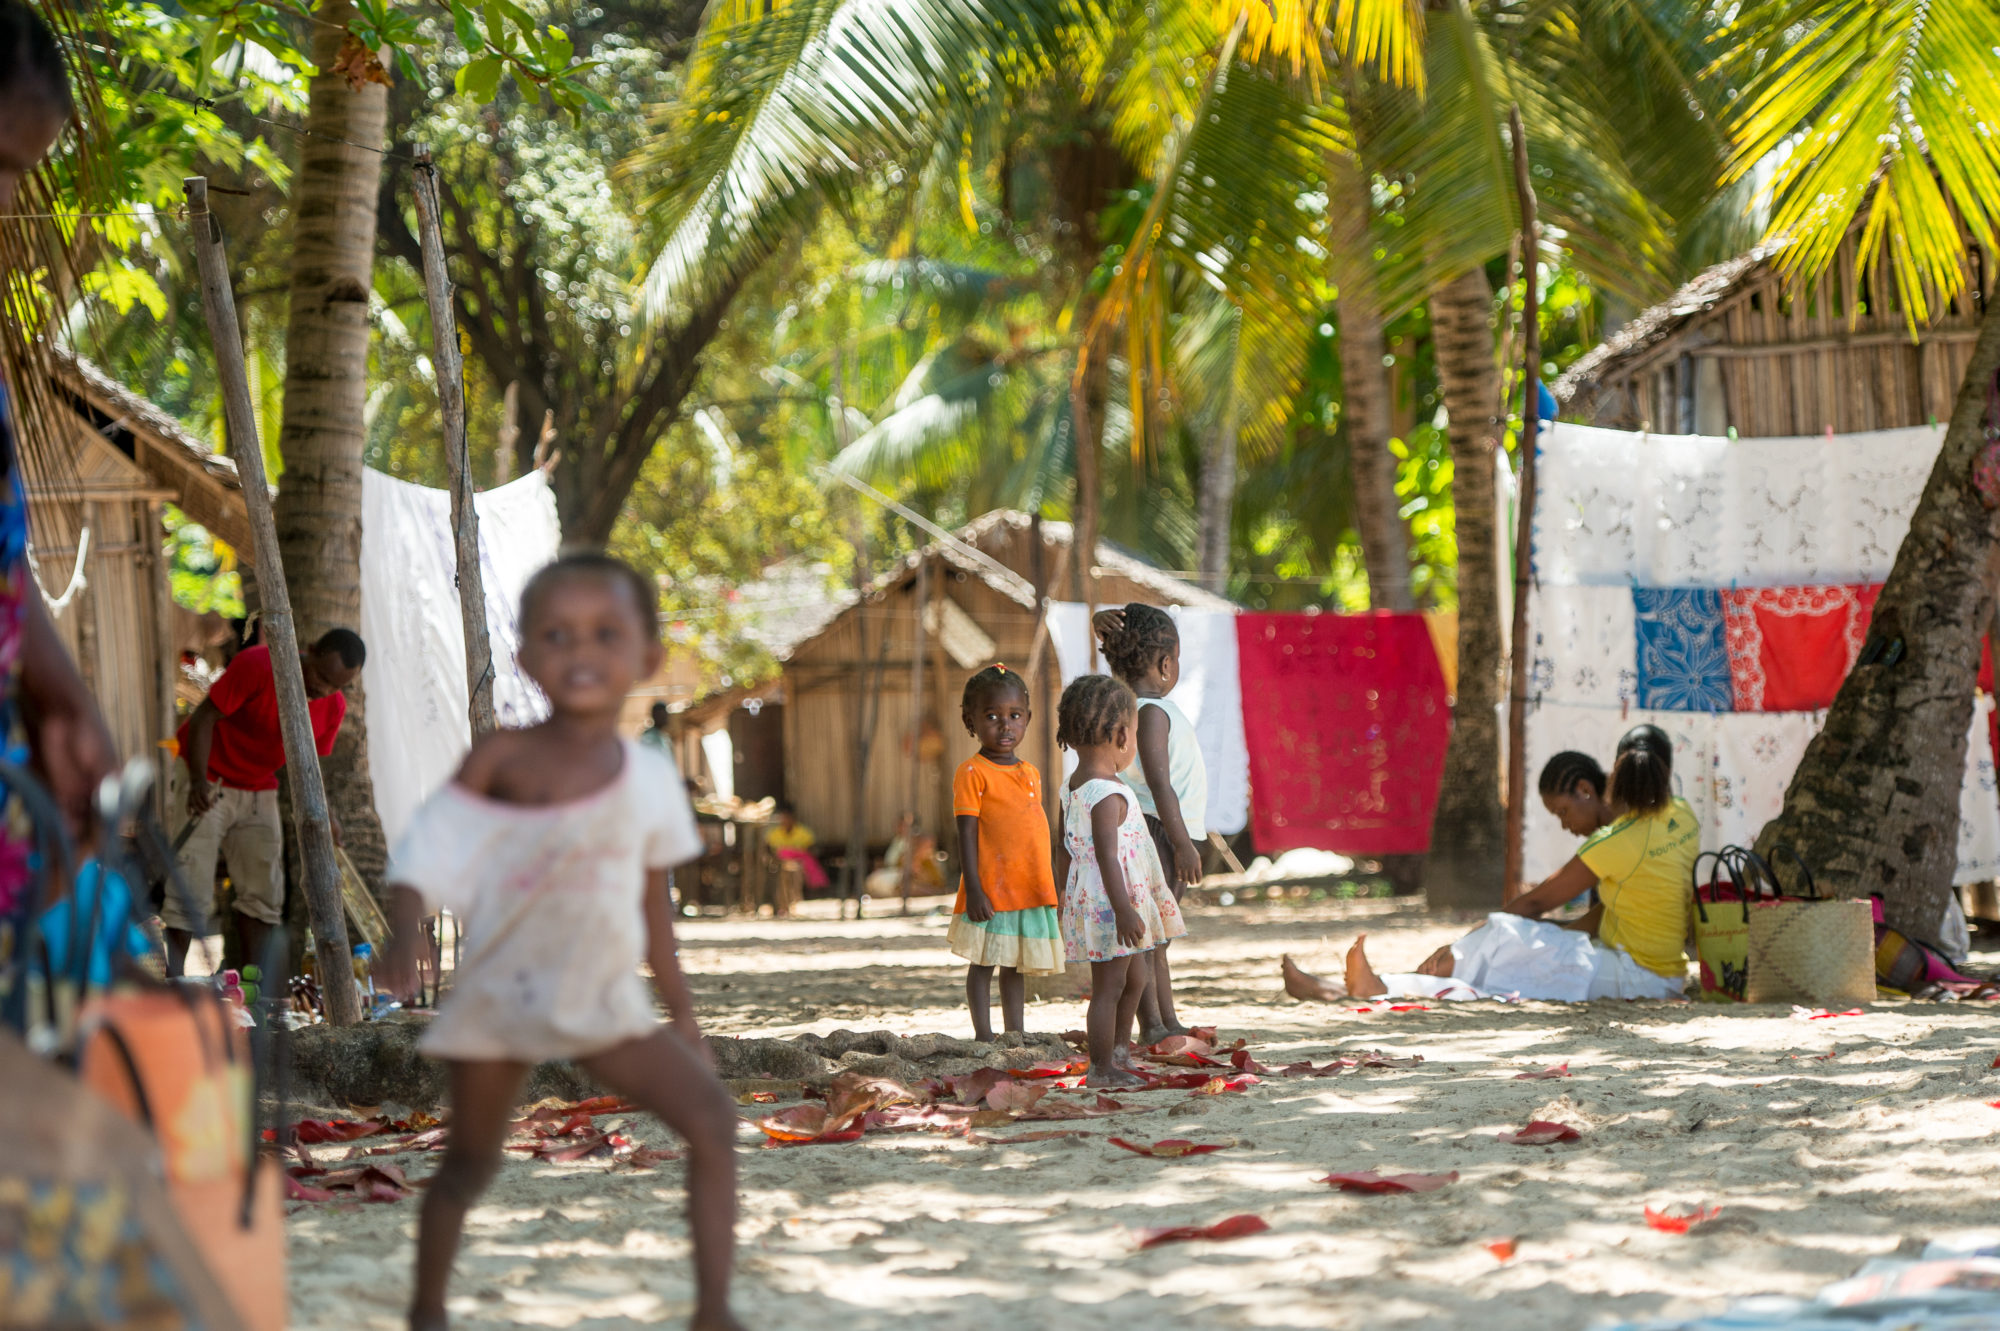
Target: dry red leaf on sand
[[604, 1104], [1015, 1097], [314, 1131], [1500, 1248], [1045, 1135], [1242, 1062], [1993, 1104], [1368, 1180], [1236, 1227], [646, 1157], [971, 1088], [1171, 1149], [1679, 1219], [805, 1123], [1558, 1070], [296, 1191], [1541, 1133], [1184, 1061], [1306, 1069], [1821, 1014], [1205, 1034], [1042, 1071], [1996, 1060], [1223, 1085], [1181, 1044]]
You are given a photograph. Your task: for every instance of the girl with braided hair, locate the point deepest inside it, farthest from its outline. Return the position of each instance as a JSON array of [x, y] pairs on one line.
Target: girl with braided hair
[[1640, 844], [1142, 645], [1005, 916], [1116, 905]]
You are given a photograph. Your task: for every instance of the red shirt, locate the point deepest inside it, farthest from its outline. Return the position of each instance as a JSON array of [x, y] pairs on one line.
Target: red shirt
[[248, 748]]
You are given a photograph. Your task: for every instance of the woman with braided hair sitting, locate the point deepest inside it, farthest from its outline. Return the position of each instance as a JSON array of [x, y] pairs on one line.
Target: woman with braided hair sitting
[[1640, 844]]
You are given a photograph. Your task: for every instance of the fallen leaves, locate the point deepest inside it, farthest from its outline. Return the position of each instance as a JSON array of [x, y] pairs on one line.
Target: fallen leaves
[[1242, 1062], [1503, 1249], [1821, 1014], [1045, 1135], [1174, 1148], [1015, 1097], [1224, 1085], [1681, 1217], [1546, 1074], [1368, 1180], [374, 1183], [1235, 1227], [1541, 1133]]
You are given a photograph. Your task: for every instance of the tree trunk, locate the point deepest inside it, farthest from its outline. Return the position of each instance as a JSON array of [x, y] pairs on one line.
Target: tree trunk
[[1874, 805], [1364, 396], [1218, 498], [318, 509], [1468, 845], [1364, 384]]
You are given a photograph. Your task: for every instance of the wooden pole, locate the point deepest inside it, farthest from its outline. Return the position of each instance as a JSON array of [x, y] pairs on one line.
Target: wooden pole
[[450, 369], [1524, 515], [315, 831], [909, 865]]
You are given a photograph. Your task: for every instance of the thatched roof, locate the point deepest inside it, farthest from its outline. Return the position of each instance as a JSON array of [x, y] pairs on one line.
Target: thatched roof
[[1653, 326]]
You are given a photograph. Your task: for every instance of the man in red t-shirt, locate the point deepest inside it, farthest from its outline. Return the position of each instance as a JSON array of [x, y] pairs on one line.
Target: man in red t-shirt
[[231, 753]]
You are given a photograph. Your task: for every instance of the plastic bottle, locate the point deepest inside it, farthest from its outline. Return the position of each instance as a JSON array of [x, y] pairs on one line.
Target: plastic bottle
[[364, 967]]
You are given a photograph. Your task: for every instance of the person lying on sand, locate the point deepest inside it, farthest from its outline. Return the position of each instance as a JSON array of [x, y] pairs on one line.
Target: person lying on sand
[[1640, 845]]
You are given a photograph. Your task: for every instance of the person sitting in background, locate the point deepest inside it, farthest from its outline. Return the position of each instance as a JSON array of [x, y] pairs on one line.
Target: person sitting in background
[[231, 752], [926, 878], [1641, 841], [792, 842]]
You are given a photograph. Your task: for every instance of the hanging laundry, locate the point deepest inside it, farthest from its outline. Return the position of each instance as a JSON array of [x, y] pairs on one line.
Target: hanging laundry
[[1683, 655], [1790, 647]]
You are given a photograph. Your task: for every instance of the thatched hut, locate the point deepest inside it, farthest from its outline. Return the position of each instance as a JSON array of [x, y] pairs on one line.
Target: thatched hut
[[128, 458], [1737, 348], [880, 666]]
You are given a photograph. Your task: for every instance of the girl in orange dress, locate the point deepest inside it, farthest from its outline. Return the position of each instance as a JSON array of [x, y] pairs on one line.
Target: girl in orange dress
[[1005, 916]]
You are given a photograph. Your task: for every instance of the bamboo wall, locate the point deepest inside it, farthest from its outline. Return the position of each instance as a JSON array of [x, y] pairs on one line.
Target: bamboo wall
[[1768, 361]]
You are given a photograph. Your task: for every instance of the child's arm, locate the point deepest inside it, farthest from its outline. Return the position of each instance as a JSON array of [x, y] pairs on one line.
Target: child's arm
[[663, 957], [1155, 727], [1059, 861], [1105, 818], [977, 908]]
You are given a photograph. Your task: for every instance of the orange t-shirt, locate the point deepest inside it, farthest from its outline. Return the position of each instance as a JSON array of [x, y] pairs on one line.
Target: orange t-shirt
[[1015, 870]]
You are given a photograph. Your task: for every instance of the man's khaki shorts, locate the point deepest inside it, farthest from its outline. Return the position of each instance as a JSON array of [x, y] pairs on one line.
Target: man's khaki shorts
[[242, 827]]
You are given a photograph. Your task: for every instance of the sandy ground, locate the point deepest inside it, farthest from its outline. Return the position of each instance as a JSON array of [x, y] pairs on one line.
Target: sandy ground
[[1817, 1163]]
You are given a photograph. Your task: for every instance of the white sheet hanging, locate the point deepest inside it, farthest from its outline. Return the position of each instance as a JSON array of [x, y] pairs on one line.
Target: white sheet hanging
[[1693, 511], [1210, 692], [415, 675]]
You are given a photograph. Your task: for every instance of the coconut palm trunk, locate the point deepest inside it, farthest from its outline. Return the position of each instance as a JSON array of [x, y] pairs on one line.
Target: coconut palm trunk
[[1364, 393], [318, 508], [1874, 805], [1466, 862]]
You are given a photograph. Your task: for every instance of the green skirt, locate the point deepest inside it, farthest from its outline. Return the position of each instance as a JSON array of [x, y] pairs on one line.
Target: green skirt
[[1029, 941]]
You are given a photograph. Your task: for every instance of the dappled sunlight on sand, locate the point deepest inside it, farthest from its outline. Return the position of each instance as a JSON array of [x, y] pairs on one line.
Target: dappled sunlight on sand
[[1817, 1163]]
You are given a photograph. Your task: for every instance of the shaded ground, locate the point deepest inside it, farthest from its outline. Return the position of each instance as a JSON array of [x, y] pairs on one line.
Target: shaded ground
[[1818, 1163]]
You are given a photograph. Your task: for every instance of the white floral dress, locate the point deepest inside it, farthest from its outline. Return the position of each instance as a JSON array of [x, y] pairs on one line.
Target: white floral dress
[[1090, 929]]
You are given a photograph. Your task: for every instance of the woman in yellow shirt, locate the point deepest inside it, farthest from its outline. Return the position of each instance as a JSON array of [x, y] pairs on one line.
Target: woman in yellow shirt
[[1640, 845]]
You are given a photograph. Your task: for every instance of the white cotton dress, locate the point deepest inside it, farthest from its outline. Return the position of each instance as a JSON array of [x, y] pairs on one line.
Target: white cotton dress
[[1511, 956], [552, 898]]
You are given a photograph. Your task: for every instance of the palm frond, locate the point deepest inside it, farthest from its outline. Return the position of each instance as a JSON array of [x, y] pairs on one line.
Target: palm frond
[[796, 103], [1882, 110]]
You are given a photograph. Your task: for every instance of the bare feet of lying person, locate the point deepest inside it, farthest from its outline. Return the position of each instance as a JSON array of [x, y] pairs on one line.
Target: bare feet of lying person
[[1308, 988], [1362, 981]]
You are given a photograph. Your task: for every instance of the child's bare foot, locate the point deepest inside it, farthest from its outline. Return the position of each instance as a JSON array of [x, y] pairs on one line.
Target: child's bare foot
[[1121, 1057], [429, 1322], [1112, 1076], [1152, 1035], [1362, 981], [1310, 988], [718, 1322]]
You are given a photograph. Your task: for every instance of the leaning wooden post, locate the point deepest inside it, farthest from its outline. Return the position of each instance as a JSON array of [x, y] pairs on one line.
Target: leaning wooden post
[[1524, 517], [450, 368], [323, 906], [909, 865]]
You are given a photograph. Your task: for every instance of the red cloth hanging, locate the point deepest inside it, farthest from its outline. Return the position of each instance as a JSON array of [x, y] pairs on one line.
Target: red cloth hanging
[[1346, 719], [1790, 647]]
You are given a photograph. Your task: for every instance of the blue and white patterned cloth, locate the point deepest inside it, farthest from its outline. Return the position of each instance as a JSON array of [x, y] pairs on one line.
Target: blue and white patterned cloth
[[1683, 654]]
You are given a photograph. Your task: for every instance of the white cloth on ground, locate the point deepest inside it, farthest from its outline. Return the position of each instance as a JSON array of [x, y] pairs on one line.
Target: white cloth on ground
[[1511, 956], [1210, 693], [553, 898], [414, 679]]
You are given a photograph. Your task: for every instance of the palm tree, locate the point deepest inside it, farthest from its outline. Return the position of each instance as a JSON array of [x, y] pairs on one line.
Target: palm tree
[[322, 435], [1884, 107]]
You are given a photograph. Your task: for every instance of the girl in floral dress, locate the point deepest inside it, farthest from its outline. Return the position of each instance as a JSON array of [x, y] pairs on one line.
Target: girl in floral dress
[[1116, 905]]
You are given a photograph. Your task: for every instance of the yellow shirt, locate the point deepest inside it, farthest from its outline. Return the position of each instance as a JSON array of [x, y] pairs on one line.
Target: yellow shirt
[[799, 838], [1642, 863]]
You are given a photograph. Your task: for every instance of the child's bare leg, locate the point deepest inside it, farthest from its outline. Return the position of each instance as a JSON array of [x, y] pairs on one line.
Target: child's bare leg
[[672, 1080], [1157, 1018], [979, 998], [482, 1105], [1139, 980], [1102, 1025], [1013, 999], [1362, 981]]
